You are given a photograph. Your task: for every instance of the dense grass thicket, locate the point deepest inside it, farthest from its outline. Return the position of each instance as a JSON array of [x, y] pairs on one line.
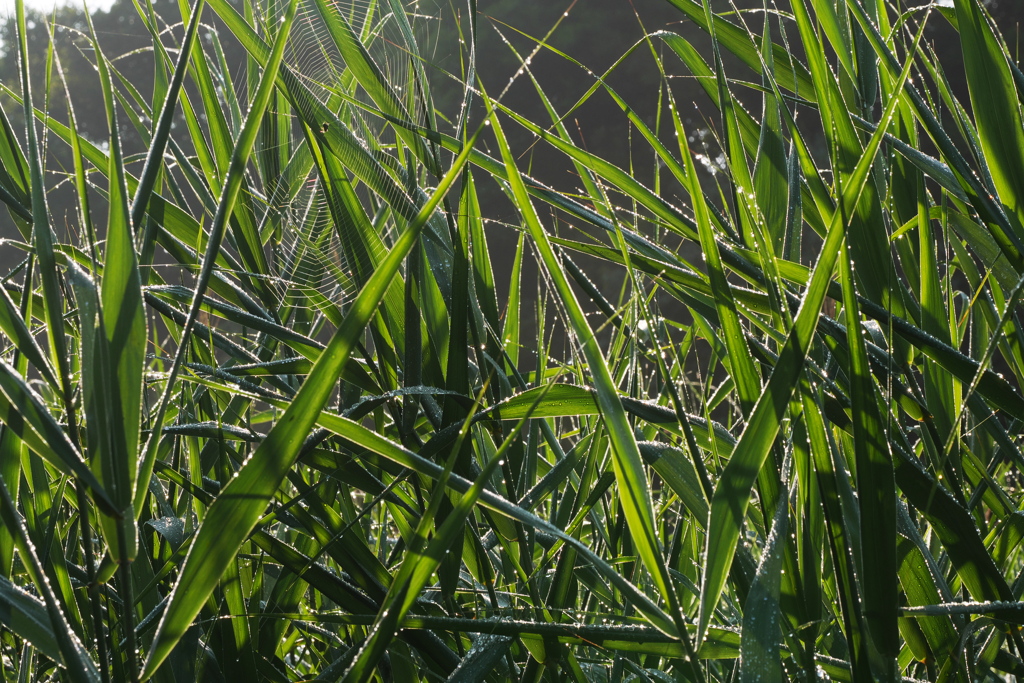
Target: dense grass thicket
[[273, 409]]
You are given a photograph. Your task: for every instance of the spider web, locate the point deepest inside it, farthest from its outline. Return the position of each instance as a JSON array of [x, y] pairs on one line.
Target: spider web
[[309, 251]]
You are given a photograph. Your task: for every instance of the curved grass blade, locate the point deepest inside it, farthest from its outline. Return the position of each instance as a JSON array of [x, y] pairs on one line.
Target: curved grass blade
[[26, 414], [13, 326], [630, 474], [729, 504], [26, 616], [158, 144], [114, 393], [760, 653], [239, 506], [80, 668], [995, 101], [792, 74]]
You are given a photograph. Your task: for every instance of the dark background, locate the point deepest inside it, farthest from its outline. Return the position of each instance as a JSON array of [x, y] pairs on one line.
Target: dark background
[[595, 33]]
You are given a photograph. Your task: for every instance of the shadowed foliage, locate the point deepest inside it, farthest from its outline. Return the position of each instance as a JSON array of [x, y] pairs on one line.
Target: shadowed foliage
[[324, 372]]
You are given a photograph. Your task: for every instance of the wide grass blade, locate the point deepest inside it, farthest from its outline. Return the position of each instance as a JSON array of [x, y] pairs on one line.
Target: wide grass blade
[[728, 507], [629, 470], [115, 357], [239, 506], [996, 102], [759, 639]]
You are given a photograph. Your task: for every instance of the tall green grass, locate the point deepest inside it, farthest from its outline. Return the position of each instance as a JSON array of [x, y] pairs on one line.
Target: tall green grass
[[268, 412]]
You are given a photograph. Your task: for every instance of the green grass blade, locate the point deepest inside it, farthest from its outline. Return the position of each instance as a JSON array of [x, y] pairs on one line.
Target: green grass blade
[[119, 347], [869, 246], [239, 506], [729, 505], [511, 329], [741, 365], [161, 132], [981, 198], [842, 530], [771, 185], [792, 74], [13, 326], [15, 185], [877, 489], [630, 473], [80, 668], [43, 237], [996, 104], [26, 616], [26, 414], [759, 638]]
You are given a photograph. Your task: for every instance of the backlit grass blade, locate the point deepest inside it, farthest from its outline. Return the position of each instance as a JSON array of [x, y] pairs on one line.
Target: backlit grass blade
[[161, 133], [996, 103], [679, 473], [841, 531], [114, 393], [869, 246], [486, 316], [759, 639], [460, 312], [42, 238], [792, 74], [728, 508], [743, 372], [771, 185], [629, 470], [563, 400], [954, 528], [79, 667], [12, 446], [218, 127], [14, 328], [26, 414], [14, 176], [25, 615], [918, 582], [729, 505], [981, 198], [875, 482], [239, 506]]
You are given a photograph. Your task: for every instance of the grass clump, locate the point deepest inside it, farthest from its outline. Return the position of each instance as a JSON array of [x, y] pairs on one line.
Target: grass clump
[[270, 411]]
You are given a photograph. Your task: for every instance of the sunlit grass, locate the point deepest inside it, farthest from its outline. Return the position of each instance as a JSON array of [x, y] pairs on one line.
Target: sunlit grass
[[270, 413]]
